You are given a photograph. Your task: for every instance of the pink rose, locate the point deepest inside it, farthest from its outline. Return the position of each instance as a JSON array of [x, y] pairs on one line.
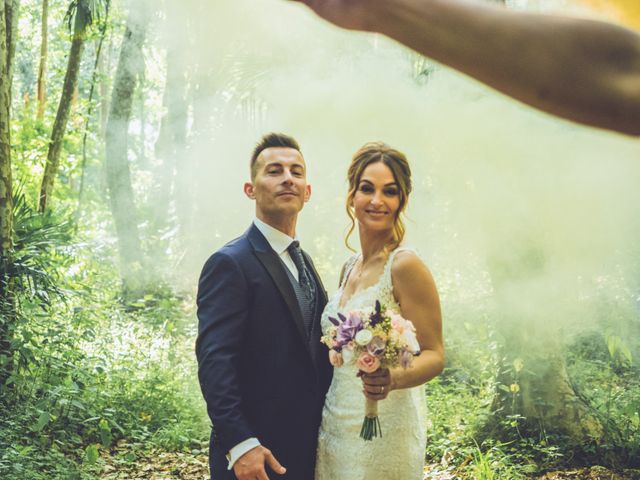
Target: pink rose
[[398, 323], [368, 363], [335, 358]]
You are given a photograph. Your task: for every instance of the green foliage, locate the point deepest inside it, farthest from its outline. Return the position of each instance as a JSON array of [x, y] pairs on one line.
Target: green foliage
[[602, 365], [91, 372]]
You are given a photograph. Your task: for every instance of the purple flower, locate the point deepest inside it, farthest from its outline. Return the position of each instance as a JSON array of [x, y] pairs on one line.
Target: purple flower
[[376, 347], [346, 331], [376, 316]]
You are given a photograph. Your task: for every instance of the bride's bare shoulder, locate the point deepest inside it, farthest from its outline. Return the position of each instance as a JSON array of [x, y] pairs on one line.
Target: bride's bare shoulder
[[409, 268]]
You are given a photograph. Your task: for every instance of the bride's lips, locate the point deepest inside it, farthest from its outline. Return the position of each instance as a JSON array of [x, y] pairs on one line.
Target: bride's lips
[[376, 213]]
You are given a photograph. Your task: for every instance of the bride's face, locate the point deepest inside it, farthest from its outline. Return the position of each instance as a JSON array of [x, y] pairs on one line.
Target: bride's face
[[377, 198]]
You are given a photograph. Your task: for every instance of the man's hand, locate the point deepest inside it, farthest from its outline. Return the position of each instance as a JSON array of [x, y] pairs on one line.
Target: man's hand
[[351, 14], [378, 384], [250, 466]]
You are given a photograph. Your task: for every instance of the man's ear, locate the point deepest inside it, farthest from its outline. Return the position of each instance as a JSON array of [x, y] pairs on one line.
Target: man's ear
[[249, 190], [307, 193]]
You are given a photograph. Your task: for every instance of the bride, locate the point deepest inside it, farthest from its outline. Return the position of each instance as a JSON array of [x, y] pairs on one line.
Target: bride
[[379, 186]]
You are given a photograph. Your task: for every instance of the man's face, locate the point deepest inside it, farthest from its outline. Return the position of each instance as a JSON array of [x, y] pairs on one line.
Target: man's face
[[280, 186]]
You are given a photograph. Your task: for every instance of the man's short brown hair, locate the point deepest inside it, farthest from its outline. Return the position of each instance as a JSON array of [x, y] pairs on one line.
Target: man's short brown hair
[[271, 140]]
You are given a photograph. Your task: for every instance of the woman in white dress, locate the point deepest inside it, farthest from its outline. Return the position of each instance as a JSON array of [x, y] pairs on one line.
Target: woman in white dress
[[379, 186]]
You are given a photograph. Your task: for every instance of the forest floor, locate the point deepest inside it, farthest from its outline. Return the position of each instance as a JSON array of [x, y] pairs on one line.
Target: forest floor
[[161, 465]]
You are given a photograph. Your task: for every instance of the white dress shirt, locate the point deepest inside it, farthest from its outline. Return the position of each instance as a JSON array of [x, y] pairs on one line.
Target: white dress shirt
[[279, 242]]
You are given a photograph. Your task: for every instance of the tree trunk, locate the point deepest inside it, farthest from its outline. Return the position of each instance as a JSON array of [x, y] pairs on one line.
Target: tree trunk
[[546, 399], [8, 22], [104, 68], [534, 388], [6, 204], [62, 117], [130, 67], [11, 7], [171, 143], [87, 122], [42, 68]]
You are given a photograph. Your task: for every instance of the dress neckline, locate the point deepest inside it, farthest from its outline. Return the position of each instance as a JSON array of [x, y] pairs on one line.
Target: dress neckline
[[382, 275]]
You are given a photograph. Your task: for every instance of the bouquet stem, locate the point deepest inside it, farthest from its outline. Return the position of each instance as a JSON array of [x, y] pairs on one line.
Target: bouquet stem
[[371, 423]]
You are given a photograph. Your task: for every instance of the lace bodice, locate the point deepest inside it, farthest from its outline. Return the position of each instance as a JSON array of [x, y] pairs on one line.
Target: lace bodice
[[342, 454]]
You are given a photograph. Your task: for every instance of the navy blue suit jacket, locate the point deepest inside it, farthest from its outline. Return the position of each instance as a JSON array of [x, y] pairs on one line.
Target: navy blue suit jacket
[[257, 373]]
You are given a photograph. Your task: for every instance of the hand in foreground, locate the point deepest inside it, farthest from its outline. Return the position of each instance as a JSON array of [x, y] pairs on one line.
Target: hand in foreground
[[250, 466], [378, 384], [349, 14]]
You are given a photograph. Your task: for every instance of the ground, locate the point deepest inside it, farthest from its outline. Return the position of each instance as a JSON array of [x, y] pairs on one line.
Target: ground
[[159, 465]]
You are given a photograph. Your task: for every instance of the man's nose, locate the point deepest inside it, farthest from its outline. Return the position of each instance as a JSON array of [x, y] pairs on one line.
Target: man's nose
[[287, 177]]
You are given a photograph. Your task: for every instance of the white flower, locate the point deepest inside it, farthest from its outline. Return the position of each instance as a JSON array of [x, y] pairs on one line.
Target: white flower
[[363, 337], [410, 340], [347, 355]]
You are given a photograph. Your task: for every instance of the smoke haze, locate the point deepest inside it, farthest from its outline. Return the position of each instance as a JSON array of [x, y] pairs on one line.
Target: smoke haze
[[505, 197]]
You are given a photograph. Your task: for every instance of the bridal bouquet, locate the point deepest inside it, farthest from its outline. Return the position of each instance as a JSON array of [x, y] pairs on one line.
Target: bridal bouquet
[[374, 338]]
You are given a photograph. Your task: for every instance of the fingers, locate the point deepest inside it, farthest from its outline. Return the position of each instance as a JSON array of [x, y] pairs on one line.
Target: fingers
[[251, 465], [274, 464], [261, 475], [376, 385], [375, 392]]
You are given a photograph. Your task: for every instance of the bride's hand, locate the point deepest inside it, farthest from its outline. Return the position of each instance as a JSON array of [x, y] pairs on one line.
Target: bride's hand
[[378, 384]]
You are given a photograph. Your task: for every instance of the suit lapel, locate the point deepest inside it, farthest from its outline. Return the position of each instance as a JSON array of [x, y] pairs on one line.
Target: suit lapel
[[274, 266]]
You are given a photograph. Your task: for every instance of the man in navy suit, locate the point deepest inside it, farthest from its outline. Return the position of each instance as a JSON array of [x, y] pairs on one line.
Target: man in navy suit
[[262, 369]]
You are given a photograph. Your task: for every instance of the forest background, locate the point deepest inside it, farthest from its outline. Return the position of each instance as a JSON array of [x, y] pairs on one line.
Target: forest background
[[125, 134]]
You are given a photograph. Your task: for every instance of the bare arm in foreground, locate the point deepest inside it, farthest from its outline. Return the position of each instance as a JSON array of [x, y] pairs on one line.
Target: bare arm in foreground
[[582, 70]]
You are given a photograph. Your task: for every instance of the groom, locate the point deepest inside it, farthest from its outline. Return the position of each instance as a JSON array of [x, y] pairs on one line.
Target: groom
[[262, 369]]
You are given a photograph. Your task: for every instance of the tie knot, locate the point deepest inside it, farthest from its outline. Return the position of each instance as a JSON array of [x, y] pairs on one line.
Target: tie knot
[[295, 246]]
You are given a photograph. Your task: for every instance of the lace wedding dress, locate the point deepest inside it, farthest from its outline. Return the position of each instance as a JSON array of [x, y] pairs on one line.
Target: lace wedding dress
[[399, 453]]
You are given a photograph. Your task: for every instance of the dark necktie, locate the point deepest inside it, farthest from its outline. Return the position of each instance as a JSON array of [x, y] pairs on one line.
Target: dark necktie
[[304, 276]]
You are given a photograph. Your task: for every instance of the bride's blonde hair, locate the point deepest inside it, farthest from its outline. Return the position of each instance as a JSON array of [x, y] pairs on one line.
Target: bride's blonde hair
[[368, 154]]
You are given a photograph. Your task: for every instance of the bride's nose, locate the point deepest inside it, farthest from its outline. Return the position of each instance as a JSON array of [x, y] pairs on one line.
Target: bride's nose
[[376, 200]]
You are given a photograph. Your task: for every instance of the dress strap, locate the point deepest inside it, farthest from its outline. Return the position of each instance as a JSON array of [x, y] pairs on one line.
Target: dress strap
[[348, 266], [392, 256], [386, 280]]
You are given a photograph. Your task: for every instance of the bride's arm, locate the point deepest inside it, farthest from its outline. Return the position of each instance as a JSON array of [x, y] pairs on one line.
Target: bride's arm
[[416, 292]]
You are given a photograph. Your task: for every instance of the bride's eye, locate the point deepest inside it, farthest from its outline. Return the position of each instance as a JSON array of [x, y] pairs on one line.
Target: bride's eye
[[366, 188], [392, 192]]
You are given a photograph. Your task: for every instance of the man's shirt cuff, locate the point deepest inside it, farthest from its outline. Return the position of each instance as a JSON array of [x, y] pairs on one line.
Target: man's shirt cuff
[[239, 450]]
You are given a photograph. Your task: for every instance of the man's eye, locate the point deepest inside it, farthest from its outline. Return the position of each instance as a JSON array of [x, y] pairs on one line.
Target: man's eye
[[273, 171], [296, 173]]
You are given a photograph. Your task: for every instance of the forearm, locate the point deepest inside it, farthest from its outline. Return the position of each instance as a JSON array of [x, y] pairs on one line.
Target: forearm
[[222, 319], [429, 364], [583, 70], [218, 380]]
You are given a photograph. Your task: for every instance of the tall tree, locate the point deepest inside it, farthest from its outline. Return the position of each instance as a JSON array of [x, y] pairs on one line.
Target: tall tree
[[171, 143], [87, 121], [130, 69], [42, 67], [8, 29], [6, 208], [104, 68], [80, 14]]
